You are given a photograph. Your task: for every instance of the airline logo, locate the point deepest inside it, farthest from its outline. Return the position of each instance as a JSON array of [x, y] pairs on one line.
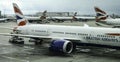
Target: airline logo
[[74, 17], [75, 14], [43, 15], [16, 9], [21, 21], [100, 15]]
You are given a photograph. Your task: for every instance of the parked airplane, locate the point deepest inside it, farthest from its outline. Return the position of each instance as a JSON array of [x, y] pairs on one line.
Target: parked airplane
[[64, 18], [73, 18], [63, 38], [84, 18], [3, 19], [103, 19], [39, 19]]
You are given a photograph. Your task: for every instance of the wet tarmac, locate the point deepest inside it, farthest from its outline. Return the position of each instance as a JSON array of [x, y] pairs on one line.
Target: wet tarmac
[[32, 53]]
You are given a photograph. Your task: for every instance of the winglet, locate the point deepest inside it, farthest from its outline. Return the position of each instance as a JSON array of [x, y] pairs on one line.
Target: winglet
[[100, 14], [21, 20]]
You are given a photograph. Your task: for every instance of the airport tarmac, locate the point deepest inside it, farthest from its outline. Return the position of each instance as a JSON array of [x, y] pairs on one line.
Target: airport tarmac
[[31, 53]]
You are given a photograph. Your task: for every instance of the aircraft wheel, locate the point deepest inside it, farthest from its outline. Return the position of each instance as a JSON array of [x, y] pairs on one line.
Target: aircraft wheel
[[38, 42]]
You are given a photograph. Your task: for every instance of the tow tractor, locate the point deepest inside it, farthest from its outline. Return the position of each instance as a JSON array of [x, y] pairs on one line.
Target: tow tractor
[[16, 40]]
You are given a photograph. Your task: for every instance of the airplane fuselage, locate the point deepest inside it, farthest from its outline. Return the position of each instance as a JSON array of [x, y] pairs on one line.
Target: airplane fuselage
[[113, 21], [92, 35]]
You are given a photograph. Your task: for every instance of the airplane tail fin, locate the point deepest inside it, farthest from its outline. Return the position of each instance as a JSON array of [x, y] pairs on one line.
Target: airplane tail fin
[[74, 16], [21, 20], [43, 15], [75, 13], [100, 14]]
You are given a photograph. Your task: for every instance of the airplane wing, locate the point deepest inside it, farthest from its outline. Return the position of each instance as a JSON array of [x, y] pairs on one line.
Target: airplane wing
[[6, 27], [35, 36], [3, 19], [91, 18]]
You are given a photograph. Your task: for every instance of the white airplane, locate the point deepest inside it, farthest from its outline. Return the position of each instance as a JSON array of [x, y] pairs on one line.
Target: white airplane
[[72, 18], [103, 19], [84, 18], [64, 18], [3, 19], [37, 19], [63, 38]]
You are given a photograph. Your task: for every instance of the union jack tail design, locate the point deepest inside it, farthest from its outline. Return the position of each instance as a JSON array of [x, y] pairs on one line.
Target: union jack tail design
[[21, 20], [74, 16], [75, 13], [100, 14], [43, 15]]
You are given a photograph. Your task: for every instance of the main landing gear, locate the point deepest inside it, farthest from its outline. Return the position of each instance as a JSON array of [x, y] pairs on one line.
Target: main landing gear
[[16, 40]]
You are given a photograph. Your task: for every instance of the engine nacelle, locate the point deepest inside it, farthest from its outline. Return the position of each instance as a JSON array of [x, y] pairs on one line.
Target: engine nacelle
[[64, 46]]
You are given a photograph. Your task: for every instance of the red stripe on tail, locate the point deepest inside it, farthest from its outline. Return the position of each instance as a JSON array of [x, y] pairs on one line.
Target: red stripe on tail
[[17, 10], [101, 18], [99, 10], [22, 23]]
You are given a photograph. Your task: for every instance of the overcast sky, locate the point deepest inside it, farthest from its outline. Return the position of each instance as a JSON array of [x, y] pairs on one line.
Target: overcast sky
[[80, 6]]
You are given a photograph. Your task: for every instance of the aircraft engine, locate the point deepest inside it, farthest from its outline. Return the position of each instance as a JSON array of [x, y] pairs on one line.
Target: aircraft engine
[[64, 46]]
